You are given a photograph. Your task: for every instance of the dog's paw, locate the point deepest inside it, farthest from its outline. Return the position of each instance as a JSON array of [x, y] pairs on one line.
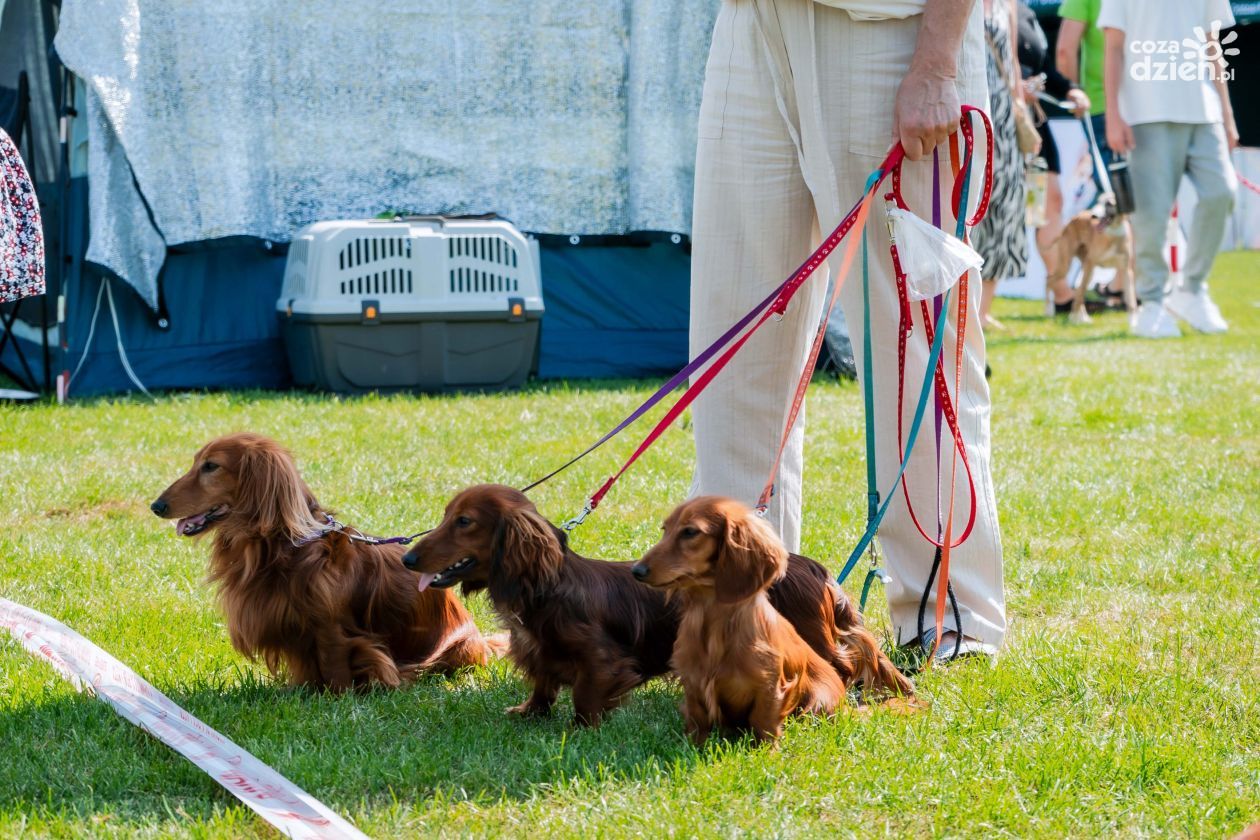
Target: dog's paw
[[1080, 317], [527, 709]]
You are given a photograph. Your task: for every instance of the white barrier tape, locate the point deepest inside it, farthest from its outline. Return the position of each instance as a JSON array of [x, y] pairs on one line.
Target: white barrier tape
[[277, 800]]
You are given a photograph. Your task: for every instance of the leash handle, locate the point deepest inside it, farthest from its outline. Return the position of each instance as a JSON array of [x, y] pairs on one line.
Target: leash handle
[[959, 197]]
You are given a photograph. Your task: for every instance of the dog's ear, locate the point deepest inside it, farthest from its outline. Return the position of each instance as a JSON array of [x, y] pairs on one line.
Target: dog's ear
[[527, 549], [750, 558], [271, 493]]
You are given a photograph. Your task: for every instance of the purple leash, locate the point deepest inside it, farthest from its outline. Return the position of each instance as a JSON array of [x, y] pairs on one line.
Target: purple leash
[[690, 368]]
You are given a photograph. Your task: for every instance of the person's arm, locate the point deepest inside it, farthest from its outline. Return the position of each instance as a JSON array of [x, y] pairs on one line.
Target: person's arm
[[1119, 132], [927, 109], [1060, 87], [1067, 50], [1222, 89]]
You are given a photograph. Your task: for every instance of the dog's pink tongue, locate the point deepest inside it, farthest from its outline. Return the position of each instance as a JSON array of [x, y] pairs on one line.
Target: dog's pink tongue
[[425, 579], [179, 526]]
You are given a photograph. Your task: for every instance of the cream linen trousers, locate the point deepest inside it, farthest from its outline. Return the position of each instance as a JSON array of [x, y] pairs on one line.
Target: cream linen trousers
[[796, 113]]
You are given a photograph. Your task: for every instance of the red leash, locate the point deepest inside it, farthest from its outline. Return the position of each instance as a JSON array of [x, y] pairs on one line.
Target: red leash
[[802, 385], [945, 402], [857, 217], [804, 272]]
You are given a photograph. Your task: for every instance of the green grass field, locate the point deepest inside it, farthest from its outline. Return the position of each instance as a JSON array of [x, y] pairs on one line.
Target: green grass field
[[1128, 480]]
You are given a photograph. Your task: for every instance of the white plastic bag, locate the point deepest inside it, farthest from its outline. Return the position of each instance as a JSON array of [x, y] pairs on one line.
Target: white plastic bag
[[932, 259]]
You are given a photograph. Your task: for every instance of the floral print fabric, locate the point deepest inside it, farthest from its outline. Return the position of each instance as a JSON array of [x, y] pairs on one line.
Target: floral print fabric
[[21, 234]]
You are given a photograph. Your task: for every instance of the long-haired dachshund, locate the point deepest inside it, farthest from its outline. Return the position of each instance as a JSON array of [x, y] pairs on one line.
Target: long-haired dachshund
[[572, 621], [332, 611], [742, 664], [587, 623]]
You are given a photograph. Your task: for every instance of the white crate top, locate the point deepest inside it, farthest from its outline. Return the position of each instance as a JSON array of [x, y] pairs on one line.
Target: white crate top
[[411, 264]]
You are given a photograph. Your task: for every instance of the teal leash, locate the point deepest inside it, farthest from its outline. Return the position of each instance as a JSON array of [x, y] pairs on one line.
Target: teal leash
[[868, 398], [875, 510]]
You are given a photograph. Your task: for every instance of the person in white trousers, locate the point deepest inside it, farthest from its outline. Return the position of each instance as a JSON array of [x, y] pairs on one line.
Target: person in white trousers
[[802, 100], [1168, 108]]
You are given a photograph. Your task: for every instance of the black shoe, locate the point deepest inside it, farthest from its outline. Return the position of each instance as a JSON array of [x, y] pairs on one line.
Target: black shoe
[[1095, 302]]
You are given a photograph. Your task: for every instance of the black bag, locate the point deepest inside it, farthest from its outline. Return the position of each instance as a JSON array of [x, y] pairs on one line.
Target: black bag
[[1121, 184]]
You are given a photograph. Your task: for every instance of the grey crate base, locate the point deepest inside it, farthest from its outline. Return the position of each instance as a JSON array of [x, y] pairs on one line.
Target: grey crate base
[[421, 355]]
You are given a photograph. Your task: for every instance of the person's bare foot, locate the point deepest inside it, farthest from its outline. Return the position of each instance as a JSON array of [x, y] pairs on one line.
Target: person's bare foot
[[988, 322]]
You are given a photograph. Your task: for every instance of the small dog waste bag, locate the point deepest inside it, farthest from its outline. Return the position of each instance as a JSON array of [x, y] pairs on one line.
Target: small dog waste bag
[[932, 259]]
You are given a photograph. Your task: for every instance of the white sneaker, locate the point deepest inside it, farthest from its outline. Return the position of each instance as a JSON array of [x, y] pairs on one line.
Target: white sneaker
[[1152, 320], [1196, 309]]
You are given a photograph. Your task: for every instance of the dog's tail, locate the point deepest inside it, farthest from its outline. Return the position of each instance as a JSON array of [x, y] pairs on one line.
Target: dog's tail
[[878, 675]]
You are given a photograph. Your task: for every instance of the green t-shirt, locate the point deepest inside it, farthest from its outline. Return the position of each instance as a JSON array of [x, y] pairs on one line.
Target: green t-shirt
[[1092, 47]]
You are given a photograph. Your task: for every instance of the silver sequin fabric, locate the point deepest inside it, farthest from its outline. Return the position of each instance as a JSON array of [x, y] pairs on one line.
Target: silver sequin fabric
[[247, 118]]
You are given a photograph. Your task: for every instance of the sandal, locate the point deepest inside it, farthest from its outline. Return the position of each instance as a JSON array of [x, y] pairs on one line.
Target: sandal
[[952, 647]]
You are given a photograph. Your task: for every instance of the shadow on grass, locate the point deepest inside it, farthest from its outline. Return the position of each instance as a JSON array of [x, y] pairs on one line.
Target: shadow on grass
[[71, 755], [1066, 338]]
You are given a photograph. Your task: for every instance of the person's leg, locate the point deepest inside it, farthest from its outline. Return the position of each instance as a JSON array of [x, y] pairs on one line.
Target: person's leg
[[988, 291], [753, 224], [1216, 183], [865, 62], [1156, 165], [1047, 235]]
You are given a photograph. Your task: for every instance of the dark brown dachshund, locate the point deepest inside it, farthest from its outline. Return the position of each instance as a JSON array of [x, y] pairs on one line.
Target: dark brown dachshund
[[742, 664], [332, 611], [587, 623], [718, 556]]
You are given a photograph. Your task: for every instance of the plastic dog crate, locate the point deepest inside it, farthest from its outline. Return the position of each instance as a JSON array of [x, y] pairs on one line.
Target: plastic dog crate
[[415, 303]]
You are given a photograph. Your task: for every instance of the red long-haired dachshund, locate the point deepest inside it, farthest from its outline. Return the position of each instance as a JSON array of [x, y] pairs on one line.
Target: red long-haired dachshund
[[743, 665], [589, 624], [332, 611]]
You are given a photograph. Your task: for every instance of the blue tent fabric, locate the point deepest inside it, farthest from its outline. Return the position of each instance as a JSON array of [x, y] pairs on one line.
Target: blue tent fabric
[[215, 338], [611, 311], [614, 311]]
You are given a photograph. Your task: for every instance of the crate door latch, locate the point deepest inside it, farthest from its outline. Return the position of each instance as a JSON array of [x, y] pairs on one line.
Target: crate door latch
[[516, 309]]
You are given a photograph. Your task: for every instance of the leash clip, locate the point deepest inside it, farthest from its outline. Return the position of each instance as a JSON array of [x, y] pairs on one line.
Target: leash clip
[[763, 504], [876, 571], [579, 519]]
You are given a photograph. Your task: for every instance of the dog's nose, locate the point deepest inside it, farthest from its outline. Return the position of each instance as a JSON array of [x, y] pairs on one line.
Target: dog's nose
[[410, 559], [639, 571], [159, 507]]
